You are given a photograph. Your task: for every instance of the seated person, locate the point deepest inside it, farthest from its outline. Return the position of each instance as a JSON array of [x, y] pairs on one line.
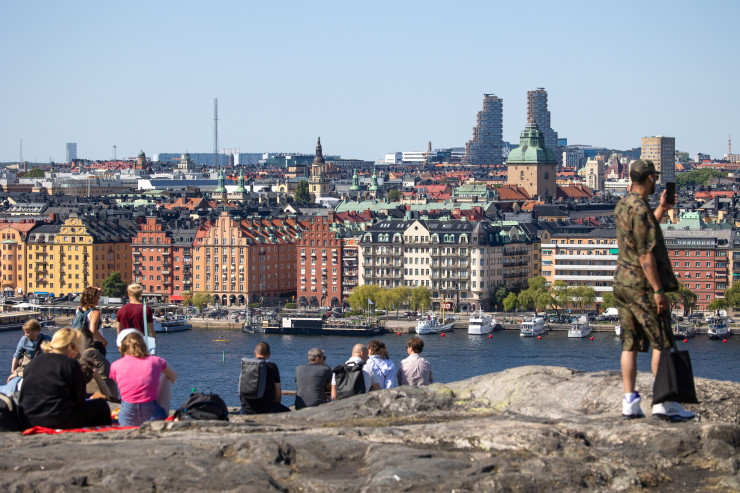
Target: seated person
[[53, 391], [28, 347], [138, 376], [270, 402], [313, 381]]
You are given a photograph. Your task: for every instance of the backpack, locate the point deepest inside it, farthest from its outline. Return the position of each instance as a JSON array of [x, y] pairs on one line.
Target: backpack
[[349, 379], [10, 417], [253, 378], [203, 407], [82, 323]]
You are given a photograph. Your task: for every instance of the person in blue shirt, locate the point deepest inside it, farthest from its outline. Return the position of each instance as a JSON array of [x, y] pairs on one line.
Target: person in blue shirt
[[28, 347]]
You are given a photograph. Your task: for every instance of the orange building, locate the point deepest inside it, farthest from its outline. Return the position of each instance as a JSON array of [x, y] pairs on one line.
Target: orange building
[[14, 250], [319, 266], [246, 260]]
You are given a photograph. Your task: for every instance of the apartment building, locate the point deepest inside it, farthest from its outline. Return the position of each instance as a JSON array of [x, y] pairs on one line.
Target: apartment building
[[40, 280], [246, 260], [662, 152], [320, 265], [486, 146], [14, 266], [581, 259], [537, 112], [462, 262]]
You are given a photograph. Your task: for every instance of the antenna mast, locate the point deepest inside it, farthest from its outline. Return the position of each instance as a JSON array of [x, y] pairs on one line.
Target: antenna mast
[[114, 152], [215, 132], [21, 150]]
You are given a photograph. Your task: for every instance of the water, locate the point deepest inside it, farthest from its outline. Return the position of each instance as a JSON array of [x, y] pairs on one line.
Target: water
[[208, 360]]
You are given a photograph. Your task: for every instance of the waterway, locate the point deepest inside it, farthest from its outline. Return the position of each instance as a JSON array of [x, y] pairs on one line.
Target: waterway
[[209, 360]]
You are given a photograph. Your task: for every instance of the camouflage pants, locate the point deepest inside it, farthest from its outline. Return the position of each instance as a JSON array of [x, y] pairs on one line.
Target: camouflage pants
[[638, 317]]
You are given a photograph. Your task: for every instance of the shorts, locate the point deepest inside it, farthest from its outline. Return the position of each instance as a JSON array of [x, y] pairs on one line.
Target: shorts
[[638, 317]]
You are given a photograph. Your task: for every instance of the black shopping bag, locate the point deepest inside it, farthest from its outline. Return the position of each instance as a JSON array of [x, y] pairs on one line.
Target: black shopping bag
[[675, 378]]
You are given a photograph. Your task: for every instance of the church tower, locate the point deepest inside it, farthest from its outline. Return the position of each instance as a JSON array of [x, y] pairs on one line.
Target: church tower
[[532, 165], [318, 183]]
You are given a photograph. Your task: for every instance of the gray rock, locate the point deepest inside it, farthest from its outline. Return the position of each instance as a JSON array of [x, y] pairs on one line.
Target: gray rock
[[524, 429]]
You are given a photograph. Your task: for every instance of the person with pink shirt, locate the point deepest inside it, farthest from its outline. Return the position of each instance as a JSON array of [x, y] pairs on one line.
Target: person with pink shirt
[[138, 376]]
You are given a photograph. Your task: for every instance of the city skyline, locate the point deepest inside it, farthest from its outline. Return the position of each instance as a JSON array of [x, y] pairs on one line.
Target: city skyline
[[368, 79]]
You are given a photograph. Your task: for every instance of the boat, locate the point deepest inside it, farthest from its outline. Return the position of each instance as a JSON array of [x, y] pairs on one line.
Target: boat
[[532, 326], [579, 327], [480, 323], [177, 323], [618, 330], [684, 331], [318, 326], [718, 327], [431, 324]]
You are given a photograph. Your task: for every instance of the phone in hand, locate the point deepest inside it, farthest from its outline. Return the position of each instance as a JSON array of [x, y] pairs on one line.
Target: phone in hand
[[670, 192]]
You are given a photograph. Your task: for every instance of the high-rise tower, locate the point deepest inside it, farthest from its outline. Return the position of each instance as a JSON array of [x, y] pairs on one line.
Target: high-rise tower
[[71, 151], [537, 112], [662, 152], [532, 165], [487, 142]]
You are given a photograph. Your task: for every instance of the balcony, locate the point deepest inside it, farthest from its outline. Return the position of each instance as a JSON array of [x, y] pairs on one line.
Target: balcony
[[136, 252]]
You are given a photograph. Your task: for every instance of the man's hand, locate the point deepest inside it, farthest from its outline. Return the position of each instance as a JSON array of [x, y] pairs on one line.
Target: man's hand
[[664, 202], [662, 301]]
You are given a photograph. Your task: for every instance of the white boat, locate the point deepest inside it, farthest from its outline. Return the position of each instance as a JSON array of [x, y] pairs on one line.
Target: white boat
[[532, 327], [719, 328], [580, 327], [618, 330], [480, 323], [431, 324], [178, 323]]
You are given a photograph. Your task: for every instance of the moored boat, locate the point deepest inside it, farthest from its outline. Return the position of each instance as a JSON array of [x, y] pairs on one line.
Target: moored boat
[[480, 323], [579, 327], [431, 324], [177, 323], [317, 326], [684, 331], [718, 327], [532, 326]]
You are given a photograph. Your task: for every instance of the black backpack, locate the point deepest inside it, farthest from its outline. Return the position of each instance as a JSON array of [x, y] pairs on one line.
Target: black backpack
[[10, 416], [253, 378], [202, 407], [349, 379]]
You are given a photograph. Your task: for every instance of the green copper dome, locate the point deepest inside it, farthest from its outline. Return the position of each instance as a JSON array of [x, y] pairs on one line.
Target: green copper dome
[[532, 148]]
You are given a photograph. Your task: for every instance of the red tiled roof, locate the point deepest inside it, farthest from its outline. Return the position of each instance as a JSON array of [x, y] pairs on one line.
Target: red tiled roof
[[512, 192]]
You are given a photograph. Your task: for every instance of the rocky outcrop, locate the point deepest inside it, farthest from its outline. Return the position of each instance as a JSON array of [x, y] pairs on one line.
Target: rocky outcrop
[[524, 429]]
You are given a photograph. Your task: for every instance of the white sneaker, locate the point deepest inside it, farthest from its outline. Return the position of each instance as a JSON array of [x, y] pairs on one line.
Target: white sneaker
[[632, 410], [671, 411]]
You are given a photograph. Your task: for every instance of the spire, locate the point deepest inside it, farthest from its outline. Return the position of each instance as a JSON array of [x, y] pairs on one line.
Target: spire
[[240, 188], [319, 159]]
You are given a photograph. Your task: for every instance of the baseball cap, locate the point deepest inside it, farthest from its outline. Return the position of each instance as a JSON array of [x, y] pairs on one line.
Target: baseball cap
[[123, 334], [643, 167]]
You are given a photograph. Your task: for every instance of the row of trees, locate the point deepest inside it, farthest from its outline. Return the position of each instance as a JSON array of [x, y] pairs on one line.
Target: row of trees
[[539, 297], [418, 298]]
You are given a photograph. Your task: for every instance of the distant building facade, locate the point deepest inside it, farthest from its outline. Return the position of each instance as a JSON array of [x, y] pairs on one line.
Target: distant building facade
[[71, 151], [537, 111], [661, 151], [486, 146]]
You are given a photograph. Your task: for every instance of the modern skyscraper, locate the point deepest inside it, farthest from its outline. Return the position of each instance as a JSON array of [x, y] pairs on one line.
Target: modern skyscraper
[[537, 111], [662, 152], [71, 151], [487, 142]]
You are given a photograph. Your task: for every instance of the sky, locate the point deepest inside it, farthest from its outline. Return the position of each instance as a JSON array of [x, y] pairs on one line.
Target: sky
[[370, 78]]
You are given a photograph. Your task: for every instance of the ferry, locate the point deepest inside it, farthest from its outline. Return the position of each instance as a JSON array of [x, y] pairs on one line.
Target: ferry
[[178, 323], [480, 323], [317, 326], [430, 324], [580, 327], [532, 327], [684, 331], [719, 328]]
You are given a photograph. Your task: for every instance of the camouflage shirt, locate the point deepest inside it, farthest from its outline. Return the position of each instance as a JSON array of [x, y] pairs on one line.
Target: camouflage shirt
[[638, 232]]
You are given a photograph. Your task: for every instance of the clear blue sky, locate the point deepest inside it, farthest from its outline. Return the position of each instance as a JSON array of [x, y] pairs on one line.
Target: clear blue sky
[[368, 77]]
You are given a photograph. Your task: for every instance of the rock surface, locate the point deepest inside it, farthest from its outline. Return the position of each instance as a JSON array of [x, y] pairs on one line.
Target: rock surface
[[525, 429]]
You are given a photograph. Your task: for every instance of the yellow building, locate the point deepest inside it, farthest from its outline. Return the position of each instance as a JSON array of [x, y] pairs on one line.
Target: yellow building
[[13, 268], [81, 253]]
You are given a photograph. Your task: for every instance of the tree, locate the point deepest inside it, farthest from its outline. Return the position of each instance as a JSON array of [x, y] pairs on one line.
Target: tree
[[358, 300], [35, 173], [113, 285], [717, 304], [395, 196], [302, 195], [403, 294], [500, 295], [201, 299], [584, 296], [732, 295], [421, 298], [187, 298], [688, 298], [511, 302], [674, 299], [608, 300], [563, 294]]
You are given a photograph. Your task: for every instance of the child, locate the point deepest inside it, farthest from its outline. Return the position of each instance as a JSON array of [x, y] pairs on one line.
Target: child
[[28, 347], [138, 376]]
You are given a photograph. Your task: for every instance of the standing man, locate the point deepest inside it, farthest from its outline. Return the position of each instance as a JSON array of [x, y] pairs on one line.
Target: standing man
[[269, 402], [131, 315], [638, 289], [312, 380], [415, 370], [349, 382]]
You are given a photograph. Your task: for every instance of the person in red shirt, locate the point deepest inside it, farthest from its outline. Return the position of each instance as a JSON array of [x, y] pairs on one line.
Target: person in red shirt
[[131, 315]]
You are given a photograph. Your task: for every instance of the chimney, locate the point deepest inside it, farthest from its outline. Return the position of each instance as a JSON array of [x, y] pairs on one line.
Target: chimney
[[429, 146]]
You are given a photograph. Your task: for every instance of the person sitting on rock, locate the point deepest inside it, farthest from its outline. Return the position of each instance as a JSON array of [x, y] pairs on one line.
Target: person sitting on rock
[[415, 370], [28, 347], [381, 365], [53, 391], [139, 377], [346, 381], [272, 395], [313, 380]]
